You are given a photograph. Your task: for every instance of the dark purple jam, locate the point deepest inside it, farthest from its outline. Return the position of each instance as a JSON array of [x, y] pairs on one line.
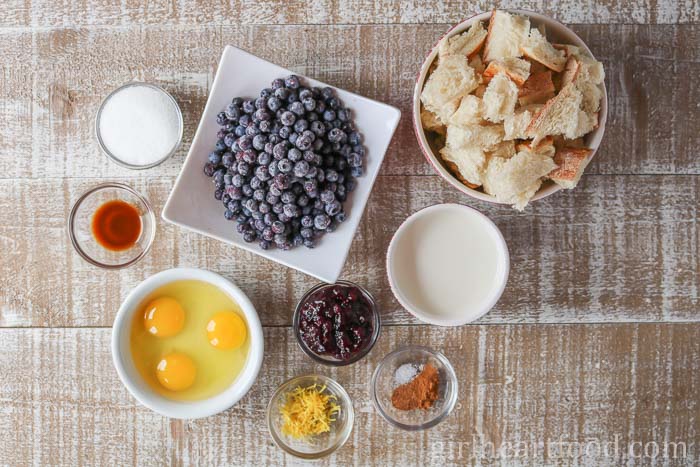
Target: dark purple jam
[[336, 321]]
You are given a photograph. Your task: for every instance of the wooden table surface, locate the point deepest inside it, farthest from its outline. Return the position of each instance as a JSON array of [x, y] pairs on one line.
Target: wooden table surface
[[592, 356]]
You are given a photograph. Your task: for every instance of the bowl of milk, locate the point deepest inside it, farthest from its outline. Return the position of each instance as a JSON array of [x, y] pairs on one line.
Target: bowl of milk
[[448, 264]]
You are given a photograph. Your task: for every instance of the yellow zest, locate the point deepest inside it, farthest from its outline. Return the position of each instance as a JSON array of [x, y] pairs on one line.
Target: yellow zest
[[308, 411]]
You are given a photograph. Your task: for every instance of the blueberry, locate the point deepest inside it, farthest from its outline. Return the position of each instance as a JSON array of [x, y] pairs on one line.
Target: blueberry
[[284, 132], [278, 227], [220, 146], [248, 106], [221, 133], [329, 115], [249, 236], [297, 108], [327, 196], [247, 190], [258, 194], [301, 125], [238, 101], [282, 181], [267, 233], [356, 171], [245, 142], [292, 210], [262, 114], [265, 93], [322, 221], [274, 103], [221, 119], [218, 194], [354, 138], [209, 169], [264, 158], [292, 81], [340, 217], [333, 103], [285, 165], [293, 137], [243, 168], [288, 118], [327, 93], [294, 155], [304, 142], [281, 93], [309, 243], [264, 244], [318, 128], [249, 156], [336, 135], [259, 142], [343, 115], [309, 103], [232, 111], [354, 160], [331, 175], [333, 208], [292, 97], [277, 84], [239, 131], [301, 168], [215, 158]]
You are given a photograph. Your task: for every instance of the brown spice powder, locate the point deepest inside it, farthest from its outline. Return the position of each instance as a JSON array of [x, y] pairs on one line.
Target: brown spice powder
[[420, 393]]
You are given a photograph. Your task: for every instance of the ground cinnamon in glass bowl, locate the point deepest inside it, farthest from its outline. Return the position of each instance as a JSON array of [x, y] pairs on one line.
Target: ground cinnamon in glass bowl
[[419, 393], [414, 388]]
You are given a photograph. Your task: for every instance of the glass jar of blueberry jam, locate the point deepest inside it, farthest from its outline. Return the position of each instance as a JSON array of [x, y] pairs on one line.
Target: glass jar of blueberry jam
[[336, 324]]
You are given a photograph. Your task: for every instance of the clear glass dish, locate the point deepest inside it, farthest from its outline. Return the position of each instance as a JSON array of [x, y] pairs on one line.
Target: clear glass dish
[[80, 226], [329, 359], [384, 382], [321, 445], [116, 159]]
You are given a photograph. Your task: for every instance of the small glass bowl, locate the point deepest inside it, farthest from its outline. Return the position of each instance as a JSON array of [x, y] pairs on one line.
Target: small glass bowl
[[383, 385], [320, 445], [80, 226], [328, 359], [109, 154]]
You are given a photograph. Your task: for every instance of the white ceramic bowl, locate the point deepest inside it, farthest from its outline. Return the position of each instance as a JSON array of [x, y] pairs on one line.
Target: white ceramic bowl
[[192, 205], [556, 32], [121, 354], [407, 285]]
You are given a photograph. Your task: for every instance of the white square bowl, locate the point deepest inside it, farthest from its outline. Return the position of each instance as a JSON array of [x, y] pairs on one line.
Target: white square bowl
[[191, 203]]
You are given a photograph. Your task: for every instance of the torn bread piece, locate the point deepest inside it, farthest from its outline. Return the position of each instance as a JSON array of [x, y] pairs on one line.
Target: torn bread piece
[[468, 113], [579, 73], [569, 49], [470, 161], [478, 65], [560, 142], [452, 167], [571, 163], [515, 125], [504, 149], [485, 137], [451, 80], [591, 69], [431, 122], [539, 49], [516, 69], [559, 116], [537, 89], [545, 147], [500, 98], [516, 180], [466, 44], [506, 34]]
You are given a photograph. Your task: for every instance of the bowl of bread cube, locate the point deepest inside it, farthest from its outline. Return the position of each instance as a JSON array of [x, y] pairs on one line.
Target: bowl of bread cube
[[510, 107]]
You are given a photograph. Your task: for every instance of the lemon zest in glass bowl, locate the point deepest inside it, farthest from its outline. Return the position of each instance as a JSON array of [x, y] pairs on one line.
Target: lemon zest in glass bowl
[[308, 412]]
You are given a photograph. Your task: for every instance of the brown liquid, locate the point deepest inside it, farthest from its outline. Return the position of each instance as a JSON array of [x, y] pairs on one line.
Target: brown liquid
[[116, 225]]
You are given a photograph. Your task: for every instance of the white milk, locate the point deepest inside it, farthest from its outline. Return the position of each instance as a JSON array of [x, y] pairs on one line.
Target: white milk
[[449, 263]]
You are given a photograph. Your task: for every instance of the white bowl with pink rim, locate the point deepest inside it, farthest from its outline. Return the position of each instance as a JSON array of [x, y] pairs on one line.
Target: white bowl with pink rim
[[556, 32], [129, 374], [448, 264]]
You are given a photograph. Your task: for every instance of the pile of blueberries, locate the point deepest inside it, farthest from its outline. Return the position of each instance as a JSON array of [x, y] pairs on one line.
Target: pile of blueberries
[[285, 162]]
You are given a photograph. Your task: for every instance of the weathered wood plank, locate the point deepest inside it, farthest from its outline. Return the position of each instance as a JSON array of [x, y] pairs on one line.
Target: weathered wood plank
[[49, 101], [45, 13], [523, 388], [617, 248]]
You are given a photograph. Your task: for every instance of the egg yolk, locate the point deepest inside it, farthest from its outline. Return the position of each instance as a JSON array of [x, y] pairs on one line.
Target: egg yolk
[[226, 330], [164, 317], [176, 371]]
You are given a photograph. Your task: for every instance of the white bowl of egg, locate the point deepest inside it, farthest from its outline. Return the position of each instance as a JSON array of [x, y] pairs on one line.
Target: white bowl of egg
[[187, 343]]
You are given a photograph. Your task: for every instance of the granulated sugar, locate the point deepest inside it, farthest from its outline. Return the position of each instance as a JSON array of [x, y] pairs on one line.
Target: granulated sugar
[[140, 125]]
